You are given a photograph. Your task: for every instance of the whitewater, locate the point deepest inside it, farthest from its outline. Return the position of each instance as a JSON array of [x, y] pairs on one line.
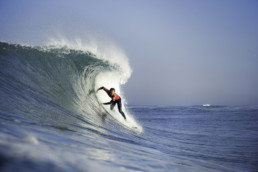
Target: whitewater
[[51, 120]]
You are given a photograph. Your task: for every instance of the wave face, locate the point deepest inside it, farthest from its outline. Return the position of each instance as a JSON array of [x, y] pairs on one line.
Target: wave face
[[56, 85]]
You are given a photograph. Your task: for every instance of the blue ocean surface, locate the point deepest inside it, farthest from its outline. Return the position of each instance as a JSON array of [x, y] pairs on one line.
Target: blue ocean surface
[[50, 120]]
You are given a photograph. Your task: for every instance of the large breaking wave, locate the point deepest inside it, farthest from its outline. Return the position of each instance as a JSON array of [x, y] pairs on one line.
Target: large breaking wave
[[56, 84]]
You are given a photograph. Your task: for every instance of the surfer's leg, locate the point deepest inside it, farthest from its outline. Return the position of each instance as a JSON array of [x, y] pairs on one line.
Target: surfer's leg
[[119, 105], [112, 105]]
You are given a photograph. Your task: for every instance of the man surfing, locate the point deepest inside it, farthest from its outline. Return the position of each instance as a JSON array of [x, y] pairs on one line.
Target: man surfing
[[115, 99]]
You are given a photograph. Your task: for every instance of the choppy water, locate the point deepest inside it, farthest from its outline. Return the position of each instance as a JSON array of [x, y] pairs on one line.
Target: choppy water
[[50, 120]]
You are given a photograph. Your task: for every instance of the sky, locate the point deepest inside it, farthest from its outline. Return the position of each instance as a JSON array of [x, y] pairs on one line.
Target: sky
[[182, 52]]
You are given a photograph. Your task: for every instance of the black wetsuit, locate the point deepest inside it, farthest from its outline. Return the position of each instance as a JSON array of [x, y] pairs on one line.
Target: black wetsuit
[[115, 100]]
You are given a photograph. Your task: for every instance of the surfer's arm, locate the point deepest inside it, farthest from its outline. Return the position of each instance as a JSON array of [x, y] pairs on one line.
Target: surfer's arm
[[100, 88], [112, 100], [105, 103], [108, 103], [103, 88]]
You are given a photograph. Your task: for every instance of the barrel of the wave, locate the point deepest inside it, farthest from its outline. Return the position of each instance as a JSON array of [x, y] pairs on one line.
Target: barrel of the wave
[[59, 79]]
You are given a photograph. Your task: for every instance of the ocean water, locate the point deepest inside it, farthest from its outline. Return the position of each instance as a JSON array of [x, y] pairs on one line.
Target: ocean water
[[50, 120]]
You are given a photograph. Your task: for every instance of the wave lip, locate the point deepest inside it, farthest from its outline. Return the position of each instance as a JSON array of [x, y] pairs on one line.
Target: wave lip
[[106, 51]]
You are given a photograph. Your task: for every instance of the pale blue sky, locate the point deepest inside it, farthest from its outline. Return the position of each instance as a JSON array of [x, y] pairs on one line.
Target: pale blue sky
[[182, 52]]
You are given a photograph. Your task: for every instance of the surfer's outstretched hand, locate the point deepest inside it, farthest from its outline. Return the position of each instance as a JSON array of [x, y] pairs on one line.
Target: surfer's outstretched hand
[[100, 103], [100, 88]]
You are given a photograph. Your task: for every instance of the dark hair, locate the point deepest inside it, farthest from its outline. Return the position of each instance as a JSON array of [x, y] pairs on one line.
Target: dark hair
[[112, 89]]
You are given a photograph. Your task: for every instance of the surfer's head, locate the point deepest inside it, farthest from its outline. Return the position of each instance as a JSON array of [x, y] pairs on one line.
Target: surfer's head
[[112, 91]]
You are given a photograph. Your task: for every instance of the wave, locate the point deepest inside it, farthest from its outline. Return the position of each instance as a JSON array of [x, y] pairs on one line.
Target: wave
[[56, 84]]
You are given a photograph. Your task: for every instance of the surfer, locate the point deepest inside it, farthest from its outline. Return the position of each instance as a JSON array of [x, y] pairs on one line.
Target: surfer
[[115, 99]]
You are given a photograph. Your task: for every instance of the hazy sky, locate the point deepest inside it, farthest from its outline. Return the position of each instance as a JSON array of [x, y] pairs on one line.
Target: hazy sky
[[183, 52]]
